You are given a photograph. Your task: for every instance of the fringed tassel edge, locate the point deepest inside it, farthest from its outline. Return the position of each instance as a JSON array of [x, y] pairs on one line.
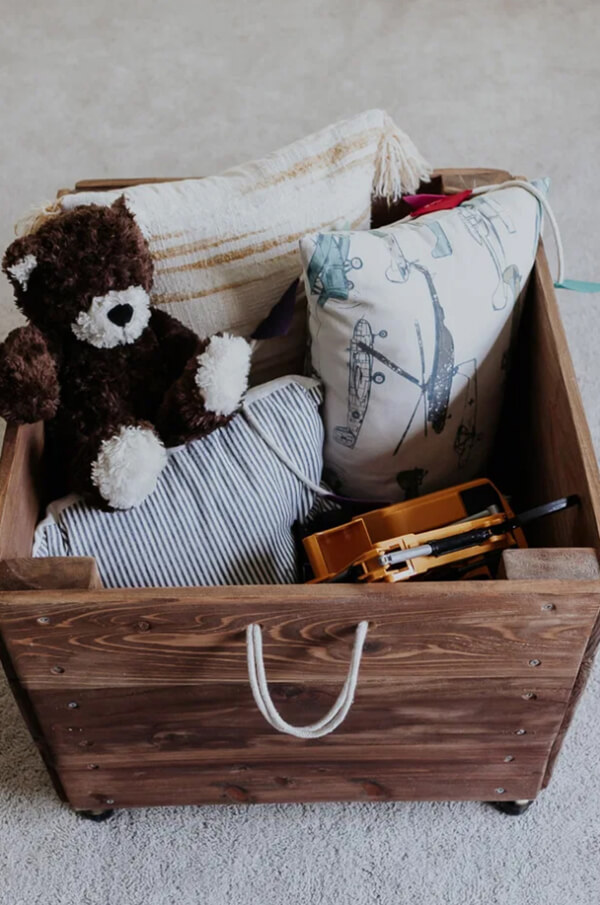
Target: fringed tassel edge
[[399, 166], [33, 219]]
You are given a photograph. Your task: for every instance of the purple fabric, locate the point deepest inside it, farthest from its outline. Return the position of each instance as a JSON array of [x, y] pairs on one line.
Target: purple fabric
[[279, 319]]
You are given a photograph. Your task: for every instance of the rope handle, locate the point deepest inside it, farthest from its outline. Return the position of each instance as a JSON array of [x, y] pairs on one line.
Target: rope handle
[[542, 198], [260, 691], [560, 282]]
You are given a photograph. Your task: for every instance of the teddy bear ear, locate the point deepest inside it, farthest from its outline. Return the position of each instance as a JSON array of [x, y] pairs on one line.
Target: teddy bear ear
[[121, 205], [20, 261]]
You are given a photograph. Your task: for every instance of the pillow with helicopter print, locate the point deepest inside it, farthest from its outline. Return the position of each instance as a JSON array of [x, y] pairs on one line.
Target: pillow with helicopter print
[[411, 329]]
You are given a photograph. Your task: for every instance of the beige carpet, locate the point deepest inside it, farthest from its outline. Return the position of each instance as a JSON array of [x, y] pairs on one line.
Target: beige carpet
[[134, 87]]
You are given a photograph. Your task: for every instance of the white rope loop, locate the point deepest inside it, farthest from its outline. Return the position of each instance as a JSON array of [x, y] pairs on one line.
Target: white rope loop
[[543, 200], [281, 455], [262, 697]]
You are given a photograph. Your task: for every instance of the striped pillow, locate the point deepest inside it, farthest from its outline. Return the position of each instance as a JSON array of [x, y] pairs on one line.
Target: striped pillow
[[225, 248], [224, 508]]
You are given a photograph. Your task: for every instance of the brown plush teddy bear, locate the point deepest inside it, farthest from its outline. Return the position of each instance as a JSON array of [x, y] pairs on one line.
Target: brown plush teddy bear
[[117, 379]]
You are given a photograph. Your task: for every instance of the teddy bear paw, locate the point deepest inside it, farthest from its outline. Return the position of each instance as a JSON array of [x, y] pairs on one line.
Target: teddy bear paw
[[127, 467], [222, 373]]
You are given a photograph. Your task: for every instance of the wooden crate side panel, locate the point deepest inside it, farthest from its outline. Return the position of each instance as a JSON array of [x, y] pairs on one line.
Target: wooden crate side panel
[[49, 572], [554, 426], [215, 722], [451, 179], [103, 639], [557, 454], [21, 491], [145, 700], [301, 782], [30, 719]]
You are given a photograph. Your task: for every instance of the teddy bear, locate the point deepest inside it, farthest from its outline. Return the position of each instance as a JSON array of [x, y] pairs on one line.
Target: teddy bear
[[117, 379]]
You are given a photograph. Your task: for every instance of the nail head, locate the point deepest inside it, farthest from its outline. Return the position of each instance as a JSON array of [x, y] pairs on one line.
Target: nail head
[[500, 790], [548, 606], [43, 620], [520, 732], [509, 758], [535, 662], [57, 670], [109, 800], [72, 705]]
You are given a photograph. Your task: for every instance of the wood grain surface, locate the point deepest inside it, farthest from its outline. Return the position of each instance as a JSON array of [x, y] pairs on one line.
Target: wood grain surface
[[448, 178], [173, 637], [555, 453], [547, 563], [144, 786], [553, 427], [466, 721], [21, 488], [49, 572]]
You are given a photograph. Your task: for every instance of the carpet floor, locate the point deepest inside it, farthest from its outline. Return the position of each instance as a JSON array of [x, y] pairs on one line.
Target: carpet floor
[[155, 87]]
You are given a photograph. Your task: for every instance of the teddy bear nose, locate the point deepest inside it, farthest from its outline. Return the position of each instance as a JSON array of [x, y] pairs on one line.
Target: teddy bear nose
[[120, 314]]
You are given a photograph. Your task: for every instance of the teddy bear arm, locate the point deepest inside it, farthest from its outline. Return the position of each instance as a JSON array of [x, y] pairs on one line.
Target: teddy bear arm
[[177, 342], [209, 392], [29, 383]]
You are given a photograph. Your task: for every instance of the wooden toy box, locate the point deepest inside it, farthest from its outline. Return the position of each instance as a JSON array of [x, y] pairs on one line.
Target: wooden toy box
[[141, 697]]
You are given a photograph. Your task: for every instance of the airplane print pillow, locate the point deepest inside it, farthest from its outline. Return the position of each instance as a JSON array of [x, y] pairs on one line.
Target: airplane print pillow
[[411, 329]]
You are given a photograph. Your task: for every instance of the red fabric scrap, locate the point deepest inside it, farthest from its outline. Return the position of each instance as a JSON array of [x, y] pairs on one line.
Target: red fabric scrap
[[437, 202]]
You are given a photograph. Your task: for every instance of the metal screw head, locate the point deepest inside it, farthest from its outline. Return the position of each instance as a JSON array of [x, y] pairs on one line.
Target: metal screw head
[[43, 620], [92, 766], [109, 800], [529, 696], [499, 790], [72, 705], [509, 758], [57, 670], [548, 606], [520, 731], [535, 662]]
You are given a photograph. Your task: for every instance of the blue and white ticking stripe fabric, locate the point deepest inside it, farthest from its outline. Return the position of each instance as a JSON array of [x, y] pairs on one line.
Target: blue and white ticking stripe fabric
[[224, 508]]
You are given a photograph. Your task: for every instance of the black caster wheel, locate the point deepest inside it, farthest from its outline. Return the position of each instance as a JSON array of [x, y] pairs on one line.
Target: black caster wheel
[[513, 808], [95, 816]]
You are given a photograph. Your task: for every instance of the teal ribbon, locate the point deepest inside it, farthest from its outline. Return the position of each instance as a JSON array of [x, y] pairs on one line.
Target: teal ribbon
[[578, 286]]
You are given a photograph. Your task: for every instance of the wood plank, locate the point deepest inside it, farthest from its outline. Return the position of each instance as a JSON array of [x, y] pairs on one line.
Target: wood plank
[[539, 564], [551, 422], [21, 483], [49, 572], [571, 563], [105, 185], [30, 718], [416, 722], [149, 786], [453, 179], [185, 636], [552, 425]]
